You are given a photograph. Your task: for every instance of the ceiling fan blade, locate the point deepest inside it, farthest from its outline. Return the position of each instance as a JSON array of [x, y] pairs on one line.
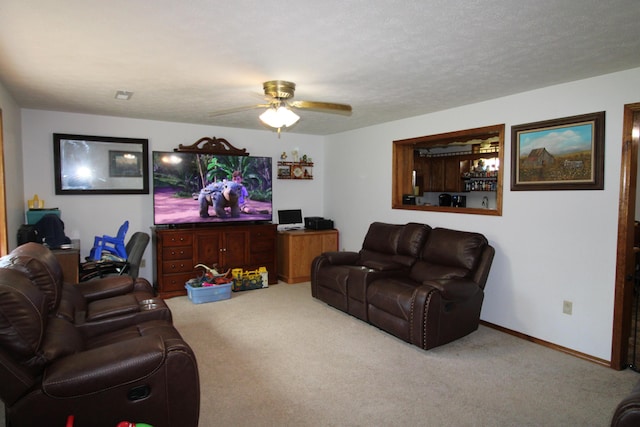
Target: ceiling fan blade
[[238, 109], [262, 96], [314, 105]]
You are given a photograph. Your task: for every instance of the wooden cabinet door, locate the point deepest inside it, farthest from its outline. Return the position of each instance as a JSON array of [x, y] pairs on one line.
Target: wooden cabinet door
[[235, 249], [226, 249], [305, 248], [330, 242], [297, 249], [208, 245], [436, 175], [452, 181]]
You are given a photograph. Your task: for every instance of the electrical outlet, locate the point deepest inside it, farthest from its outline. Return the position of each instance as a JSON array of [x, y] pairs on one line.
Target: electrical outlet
[[567, 307], [143, 263]]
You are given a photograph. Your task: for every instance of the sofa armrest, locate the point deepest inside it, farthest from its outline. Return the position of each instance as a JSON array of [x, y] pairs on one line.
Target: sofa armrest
[[342, 258], [454, 289], [93, 269], [141, 284], [105, 367], [106, 287]]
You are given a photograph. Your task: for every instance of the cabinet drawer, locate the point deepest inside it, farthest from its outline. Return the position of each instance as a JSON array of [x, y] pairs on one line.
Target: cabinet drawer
[[177, 239], [263, 245], [178, 266], [175, 282], [265, 233], [177, 252]]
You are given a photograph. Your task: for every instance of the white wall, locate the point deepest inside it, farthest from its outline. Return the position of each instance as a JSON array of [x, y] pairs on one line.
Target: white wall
[[550, 245], [12, 149], [87, 216]]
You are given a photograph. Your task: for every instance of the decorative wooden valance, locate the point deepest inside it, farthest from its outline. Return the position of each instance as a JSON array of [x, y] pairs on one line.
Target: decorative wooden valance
[[212, 146]]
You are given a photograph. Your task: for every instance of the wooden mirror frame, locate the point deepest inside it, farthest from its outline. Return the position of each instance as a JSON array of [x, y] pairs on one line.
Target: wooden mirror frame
[[403, 167]]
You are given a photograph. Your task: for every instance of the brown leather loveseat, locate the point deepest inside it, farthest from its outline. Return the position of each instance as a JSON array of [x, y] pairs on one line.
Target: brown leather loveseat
[[424, 285], [122, 365]]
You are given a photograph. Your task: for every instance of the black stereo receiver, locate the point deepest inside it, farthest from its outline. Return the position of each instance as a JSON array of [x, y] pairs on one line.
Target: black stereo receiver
[[317, 223]]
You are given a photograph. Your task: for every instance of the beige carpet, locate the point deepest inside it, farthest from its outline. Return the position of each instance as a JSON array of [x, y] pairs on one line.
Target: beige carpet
[[277, 357]]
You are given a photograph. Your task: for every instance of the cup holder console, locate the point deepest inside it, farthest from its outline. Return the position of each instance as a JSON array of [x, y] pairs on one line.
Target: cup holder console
[[149, 304]]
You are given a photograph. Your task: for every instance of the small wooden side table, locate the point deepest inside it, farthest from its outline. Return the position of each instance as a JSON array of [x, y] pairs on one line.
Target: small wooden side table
[[298, 248], [69, 259]]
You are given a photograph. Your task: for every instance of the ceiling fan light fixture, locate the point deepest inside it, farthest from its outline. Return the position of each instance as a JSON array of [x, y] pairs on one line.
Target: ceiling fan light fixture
[[278, 95], [278, 118]]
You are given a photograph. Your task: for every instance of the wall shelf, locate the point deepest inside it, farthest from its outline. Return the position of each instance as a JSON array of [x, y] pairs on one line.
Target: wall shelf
[[295, 170]]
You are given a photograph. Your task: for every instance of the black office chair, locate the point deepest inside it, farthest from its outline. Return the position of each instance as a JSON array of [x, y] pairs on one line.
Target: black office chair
[[135, 248]]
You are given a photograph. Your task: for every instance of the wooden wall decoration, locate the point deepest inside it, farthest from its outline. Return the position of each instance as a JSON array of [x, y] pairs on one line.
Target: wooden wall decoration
[[212, 146]]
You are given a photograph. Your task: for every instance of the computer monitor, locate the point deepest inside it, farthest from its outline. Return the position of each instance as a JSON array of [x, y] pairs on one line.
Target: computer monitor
[[290, 218]]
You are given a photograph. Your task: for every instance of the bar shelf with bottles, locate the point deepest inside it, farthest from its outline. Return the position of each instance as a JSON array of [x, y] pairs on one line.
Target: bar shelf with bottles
[[480, 180]]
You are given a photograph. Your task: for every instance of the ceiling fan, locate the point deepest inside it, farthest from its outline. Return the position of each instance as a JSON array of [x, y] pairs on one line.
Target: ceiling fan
[[278, 113]]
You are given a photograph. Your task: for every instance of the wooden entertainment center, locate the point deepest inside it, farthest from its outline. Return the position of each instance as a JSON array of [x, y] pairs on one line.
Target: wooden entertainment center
[[179, 250]]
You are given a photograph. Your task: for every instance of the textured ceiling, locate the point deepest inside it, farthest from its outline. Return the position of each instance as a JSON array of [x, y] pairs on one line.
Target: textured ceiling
[[389, 59]]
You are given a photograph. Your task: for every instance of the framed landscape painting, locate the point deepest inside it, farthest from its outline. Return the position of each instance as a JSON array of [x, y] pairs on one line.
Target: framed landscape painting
[[559, 154]]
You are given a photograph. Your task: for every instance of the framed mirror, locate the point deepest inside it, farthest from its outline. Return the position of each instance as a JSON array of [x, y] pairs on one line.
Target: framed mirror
[[458, 172], [86, 164]]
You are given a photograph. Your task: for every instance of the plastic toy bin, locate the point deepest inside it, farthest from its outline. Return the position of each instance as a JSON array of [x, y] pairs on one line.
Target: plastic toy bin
[[209, 293]]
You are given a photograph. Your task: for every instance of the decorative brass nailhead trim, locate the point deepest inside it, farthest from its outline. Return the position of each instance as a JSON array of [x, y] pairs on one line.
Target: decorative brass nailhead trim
[[424, 321]]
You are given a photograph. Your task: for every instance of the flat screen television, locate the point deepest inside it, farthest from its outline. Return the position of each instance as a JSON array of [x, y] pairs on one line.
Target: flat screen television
[[194, 188]]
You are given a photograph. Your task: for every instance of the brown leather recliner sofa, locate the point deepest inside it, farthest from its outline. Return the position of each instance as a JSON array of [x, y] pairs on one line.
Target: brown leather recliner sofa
[[90, 352], [424, 285], [627, 413], [95, 306]]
